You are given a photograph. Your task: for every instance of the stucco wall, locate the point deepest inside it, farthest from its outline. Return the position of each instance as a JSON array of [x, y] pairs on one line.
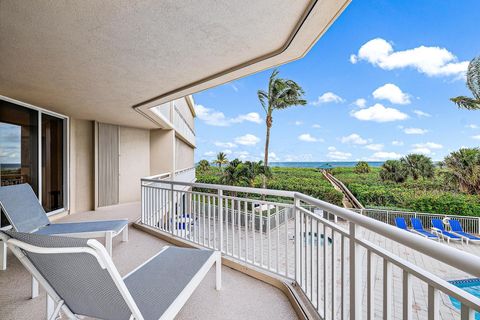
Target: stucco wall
[[81, 165], [184, 155], [134, 162], [161, 151], [184, 109]]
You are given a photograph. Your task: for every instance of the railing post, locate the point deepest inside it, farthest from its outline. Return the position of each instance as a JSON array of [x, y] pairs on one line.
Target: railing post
[[220, 217], [172, 210], [142, 196], [355, 275], [297, 238]]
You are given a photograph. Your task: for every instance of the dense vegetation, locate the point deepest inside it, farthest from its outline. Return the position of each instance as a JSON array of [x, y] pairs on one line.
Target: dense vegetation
[[433, 195], [309, 181]]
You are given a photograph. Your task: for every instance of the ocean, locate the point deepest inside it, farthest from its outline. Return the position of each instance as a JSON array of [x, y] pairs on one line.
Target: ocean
[[322, 165]]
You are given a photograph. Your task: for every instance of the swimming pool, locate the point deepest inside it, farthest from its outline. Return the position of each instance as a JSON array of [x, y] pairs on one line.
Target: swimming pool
[[472, 286]]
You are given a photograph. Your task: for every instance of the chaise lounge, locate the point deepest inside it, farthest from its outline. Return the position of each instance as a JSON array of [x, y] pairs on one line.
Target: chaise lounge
[[439, 229], [457, 229], [81, 280], [417, 227]]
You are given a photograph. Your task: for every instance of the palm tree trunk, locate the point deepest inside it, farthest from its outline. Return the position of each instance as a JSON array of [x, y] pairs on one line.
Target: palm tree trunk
[[267, 143]]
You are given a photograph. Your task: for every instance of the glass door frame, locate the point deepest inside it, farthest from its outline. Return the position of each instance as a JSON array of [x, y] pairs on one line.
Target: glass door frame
[[66, 151]]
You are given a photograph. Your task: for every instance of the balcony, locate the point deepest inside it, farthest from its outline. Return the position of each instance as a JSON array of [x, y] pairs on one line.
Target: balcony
[[170, 117], [241, 295], [339, 263], [285, 255]]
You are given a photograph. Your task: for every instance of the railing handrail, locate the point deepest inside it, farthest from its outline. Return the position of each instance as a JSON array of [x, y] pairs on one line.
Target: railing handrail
[[456, 258], [266, 192]]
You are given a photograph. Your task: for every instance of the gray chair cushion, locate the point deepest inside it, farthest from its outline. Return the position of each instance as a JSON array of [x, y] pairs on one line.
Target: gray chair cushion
[[159, 282], [78, 279], [22, 209], [82, 227]]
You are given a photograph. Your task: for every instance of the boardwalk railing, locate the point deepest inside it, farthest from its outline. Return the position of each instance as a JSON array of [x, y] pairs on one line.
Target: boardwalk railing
[[469, 224], [332, 265]]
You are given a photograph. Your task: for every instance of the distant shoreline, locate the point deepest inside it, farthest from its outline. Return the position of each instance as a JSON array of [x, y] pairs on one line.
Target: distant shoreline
[[323, 164]]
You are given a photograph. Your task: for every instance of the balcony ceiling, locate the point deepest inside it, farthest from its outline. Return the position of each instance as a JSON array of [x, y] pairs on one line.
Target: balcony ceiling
[[98, 60]]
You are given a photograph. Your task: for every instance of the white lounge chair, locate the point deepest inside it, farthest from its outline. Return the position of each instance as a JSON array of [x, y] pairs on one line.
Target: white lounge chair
[[81, 280], [25, 214]]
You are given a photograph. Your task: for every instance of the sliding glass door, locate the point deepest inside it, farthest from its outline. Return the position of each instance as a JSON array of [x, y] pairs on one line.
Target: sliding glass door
[[33, 151]]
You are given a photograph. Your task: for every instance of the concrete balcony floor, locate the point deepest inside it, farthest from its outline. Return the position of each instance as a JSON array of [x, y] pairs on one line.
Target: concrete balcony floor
[[241, 297]]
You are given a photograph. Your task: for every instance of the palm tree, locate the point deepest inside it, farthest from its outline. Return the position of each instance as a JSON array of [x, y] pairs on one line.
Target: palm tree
[[393, 170], [203, 165], [418, 165], [255, 169], [463, 168], [473, 83], [281, 94], [221, 159]]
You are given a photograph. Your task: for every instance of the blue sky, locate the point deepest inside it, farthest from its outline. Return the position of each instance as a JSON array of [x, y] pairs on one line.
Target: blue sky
[[405, 59]]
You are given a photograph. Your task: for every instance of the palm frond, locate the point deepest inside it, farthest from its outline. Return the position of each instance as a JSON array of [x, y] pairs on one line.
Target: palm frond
[[466, 103]]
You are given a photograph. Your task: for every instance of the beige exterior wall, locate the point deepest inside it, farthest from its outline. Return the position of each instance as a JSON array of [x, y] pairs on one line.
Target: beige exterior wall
[[81, 165], [134, 162], [184, 155], [185, 111], [162, 151]]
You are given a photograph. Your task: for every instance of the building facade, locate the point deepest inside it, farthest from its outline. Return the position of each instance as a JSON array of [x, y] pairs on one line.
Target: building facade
[[76, 165]]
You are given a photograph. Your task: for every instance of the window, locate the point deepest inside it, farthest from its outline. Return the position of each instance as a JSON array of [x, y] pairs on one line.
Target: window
[[24, 158]]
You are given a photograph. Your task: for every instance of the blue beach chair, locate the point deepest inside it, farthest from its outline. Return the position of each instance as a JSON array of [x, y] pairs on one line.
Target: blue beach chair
[[457, 229], [417, 227], [401, 223], [439, 229]]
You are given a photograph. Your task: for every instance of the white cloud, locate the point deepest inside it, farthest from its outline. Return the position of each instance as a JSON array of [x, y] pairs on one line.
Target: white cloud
[[328, 97], [225, 144], [425, 148], [353, 138], [209, 154], [360, 102], [227, 151], [421, 113], [298, 123], [397, 143], [247, 140], [379, 113], [316, 126], [298, 157], [432, 61], [307, 137], [425, 151], [242, 155], [477, 137], [415, 131], [250, 117], [391, 93], [472, 126], [430, 145], [272, 156], [374, 146], [386, 155], [216, 118], [234, 87], [338, 155]]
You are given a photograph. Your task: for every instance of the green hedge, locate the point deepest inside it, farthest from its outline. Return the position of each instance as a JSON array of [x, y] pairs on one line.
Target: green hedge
[[309, 181], [433, 195]]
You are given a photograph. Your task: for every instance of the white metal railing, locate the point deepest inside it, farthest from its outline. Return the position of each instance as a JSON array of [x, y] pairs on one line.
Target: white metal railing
[[185, 175], [469, 224], [331, 263], [182, 127]]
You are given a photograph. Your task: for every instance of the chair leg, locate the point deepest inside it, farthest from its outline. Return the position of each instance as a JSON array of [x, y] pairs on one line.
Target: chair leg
[[3, 255], [218, 272], [34, 288], [125, 234], [108, 242]]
